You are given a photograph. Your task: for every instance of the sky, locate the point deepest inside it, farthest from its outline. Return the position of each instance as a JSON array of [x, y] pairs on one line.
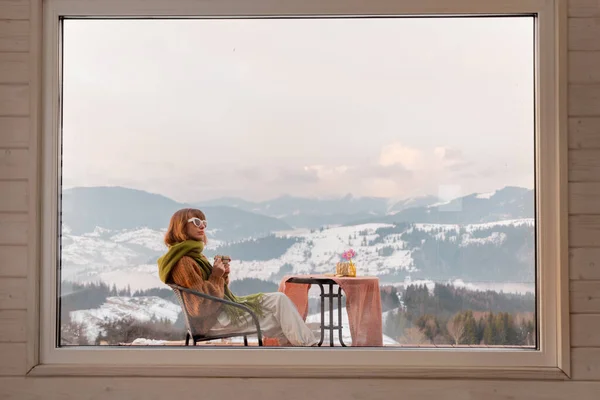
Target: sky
[[258, 108]]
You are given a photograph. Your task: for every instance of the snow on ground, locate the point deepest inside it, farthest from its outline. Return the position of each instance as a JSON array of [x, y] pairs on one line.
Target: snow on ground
[[521, 288], [136, 279], [128, 257], [314, 320], [474, 227], [140, 308], [321, 250], [508, 287], [509, 222], [149, 238], [485, 195], [495, 237]]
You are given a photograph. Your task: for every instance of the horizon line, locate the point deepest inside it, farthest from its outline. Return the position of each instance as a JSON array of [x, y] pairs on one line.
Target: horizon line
[[338, 197]]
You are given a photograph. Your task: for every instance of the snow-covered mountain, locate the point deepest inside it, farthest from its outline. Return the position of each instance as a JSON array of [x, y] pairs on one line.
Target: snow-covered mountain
[[116, 208], [115, 235], [499, 251], [140, 308]]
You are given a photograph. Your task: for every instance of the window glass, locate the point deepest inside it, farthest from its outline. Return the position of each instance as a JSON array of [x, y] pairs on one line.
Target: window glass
[[398, 150]]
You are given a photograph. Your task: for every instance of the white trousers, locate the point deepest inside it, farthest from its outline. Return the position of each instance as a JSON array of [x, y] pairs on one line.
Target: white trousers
[[280, 320]]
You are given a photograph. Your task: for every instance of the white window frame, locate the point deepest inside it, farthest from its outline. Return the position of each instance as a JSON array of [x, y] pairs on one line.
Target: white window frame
[[551, 361]]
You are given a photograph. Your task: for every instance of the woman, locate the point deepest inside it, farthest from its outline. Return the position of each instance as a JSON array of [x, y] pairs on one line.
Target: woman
[[185, 265]]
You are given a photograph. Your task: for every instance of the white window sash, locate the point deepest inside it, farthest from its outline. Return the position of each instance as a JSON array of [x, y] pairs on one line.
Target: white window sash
[[550, 361]]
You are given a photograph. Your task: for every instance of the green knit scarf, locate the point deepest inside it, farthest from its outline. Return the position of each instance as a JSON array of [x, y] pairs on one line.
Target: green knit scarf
[[193, 249]]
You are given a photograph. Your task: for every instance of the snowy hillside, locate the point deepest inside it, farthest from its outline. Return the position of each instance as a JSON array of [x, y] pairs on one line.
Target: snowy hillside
[[129, 257], [140, 308]]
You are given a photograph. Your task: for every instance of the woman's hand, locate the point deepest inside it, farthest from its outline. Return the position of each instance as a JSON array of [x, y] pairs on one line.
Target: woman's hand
[[218, 268]]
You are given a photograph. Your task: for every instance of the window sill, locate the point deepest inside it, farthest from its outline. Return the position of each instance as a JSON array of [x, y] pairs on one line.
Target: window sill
[[316, 371]]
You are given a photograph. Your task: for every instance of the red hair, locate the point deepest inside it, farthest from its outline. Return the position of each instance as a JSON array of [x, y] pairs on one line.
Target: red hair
[[177, 232]]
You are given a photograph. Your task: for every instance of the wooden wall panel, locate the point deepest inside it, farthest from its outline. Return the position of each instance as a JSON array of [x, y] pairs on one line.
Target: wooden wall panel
[[13, 326], [584, 165], [13, 294], [585, 297], [584, 330], [14, 100], [13, 359], [14, 9], [14, 36], [123, 388], [13, 228], [584, 99], [584, 197], [584, 8], [13, 195], [14, 163], [584, 34], [584, 230], [13, 261], [14, 67], [14, 132], [585, 364], [584, 263], [584, 133]]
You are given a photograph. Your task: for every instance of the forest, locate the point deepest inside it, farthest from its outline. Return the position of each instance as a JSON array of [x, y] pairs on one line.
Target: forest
[[457, 316], [414, 315]]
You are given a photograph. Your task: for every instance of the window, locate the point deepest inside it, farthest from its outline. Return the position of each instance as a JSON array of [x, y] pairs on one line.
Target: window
[[424, 139]]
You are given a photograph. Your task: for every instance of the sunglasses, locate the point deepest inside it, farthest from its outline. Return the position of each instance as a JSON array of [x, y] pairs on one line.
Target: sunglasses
[[200, 223]]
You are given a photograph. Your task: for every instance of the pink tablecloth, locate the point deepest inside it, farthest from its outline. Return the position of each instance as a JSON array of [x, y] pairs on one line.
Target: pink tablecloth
[[363, 304]]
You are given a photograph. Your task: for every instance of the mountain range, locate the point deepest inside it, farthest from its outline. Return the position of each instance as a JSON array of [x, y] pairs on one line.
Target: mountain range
[[115, 235], [114, 208]]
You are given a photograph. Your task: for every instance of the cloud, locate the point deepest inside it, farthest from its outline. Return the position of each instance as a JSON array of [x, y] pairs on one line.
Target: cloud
[[375, 171], [253, 173], [396, 153], [447, 153], [326, 172], [452, 159], [291, 177]]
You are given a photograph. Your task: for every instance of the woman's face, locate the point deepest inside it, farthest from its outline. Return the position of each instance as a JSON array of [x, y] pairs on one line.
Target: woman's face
[[195, 230]]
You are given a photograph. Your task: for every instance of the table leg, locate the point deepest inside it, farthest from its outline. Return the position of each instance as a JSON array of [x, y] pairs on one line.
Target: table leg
[[322, 315], [340, 315], [331, 314]]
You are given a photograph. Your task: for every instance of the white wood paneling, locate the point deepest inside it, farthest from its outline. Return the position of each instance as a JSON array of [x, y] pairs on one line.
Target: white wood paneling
[[13, 228], [585, 297], [14, 9], [12, 361], [13, 294], [584, 8], [584, 230], [584, 263], [584, 165], [14, 132], [585, 329], [584, 99], [12, 326], [14, 68], [581, 66], [584, 198], [290, 389], [14, 35], [14, 100], [14, 163], [584, 133], [584, 34], [13, 195], [13, 261], [585, 364]]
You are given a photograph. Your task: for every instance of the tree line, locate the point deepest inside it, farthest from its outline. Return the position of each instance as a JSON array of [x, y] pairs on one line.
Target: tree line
[[459, 316]]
